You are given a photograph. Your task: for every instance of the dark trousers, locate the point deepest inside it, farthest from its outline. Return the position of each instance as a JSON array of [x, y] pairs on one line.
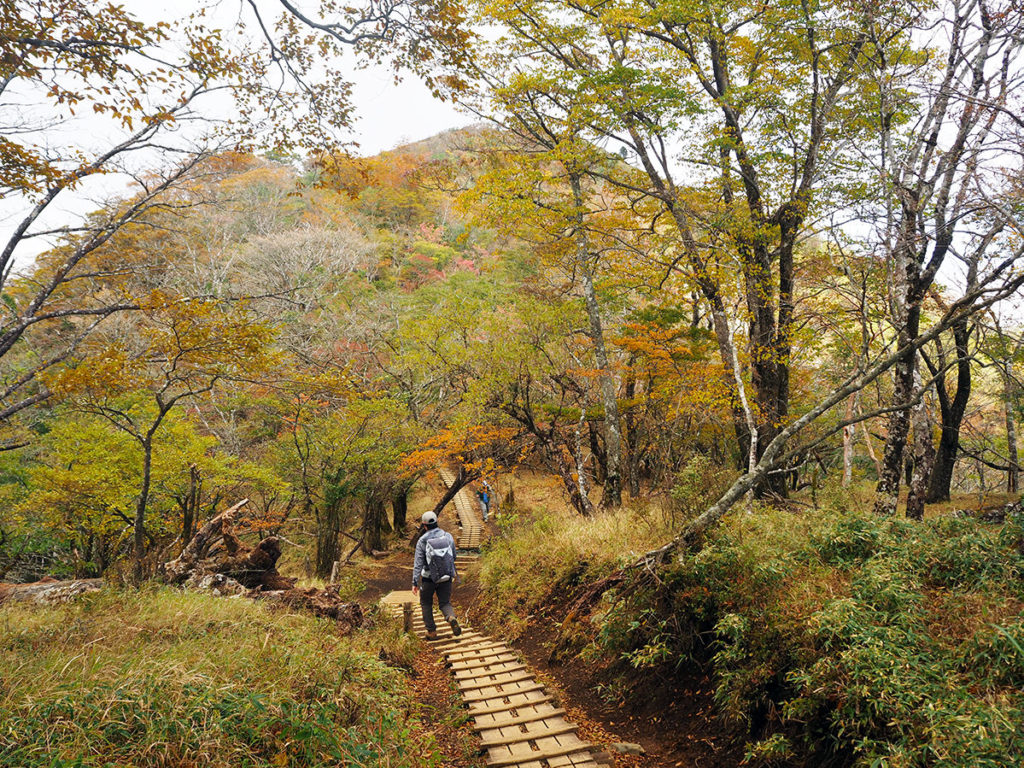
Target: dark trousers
[[444, 599]]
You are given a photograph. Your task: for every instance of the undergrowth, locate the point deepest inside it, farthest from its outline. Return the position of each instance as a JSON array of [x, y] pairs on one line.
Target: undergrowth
[[165, 678], [835, 637]]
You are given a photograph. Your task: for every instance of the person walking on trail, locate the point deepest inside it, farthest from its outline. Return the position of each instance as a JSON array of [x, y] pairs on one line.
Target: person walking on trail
[[433, 572]]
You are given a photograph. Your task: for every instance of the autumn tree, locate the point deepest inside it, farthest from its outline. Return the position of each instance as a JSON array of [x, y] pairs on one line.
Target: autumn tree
[[157, 100], [341, 450], [944, 120], [176, 351], [540, 188], [83, 484], [745, 100]]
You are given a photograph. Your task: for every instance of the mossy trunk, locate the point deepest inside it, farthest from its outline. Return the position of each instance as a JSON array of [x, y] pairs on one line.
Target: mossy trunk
[[375, 524], [400, 508], [328, 547]]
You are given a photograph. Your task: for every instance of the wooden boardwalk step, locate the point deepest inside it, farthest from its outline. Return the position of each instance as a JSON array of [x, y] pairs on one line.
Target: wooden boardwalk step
[[531, 717], [541, 754], [529, 735], [480, 695], [491, 668], [480, 683], [526, 701], [451, 640], [473, 651], [485, 660]]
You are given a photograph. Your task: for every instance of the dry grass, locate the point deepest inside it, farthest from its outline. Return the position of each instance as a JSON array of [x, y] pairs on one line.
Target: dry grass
[[164, 678]]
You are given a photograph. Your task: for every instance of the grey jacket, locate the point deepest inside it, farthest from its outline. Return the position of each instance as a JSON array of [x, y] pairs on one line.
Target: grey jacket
[[419, 563]]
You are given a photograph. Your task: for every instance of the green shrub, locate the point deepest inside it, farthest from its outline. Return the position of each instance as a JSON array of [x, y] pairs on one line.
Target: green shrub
[[849, 540], [840, 638], [995, 654]]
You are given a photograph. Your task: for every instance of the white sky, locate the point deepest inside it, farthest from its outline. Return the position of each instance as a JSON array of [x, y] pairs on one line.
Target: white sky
[[389, 115]]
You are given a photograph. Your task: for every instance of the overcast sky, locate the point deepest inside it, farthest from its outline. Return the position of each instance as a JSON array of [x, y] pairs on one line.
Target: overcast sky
[[389, 115]]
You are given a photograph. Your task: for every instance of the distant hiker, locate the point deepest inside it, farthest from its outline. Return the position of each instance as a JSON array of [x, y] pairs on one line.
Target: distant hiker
[[433, 572], [485, 502], [492, 500]]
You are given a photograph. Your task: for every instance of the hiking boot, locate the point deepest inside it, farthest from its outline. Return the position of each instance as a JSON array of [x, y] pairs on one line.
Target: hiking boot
[[432, 634], [456, 629]]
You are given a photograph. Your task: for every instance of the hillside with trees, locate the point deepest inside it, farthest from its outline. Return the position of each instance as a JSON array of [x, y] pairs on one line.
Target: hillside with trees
[[720, 301]]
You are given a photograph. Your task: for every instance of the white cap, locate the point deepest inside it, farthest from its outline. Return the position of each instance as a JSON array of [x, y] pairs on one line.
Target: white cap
[[429, 518]]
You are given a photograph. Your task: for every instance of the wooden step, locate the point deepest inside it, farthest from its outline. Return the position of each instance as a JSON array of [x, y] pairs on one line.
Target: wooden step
[[453, 640], [496, 709], [558, 730], [474, 697], [486, 670], [531, 717], [476, 684], [462, 653], [458, 665], [465, 640], [537, 755]]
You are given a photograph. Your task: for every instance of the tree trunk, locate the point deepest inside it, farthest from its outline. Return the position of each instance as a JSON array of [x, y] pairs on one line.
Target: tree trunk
[[924, 456], [580, 468], [190, 511], [375, 522], [766, 367], [1013, 474], [888, 488], [849, 433], [952, 417], [723, 336], [598, 457], [399, 507], [462, 479], [609, 387], [328, 549], [140, 507], [748, 415], [871, 450], [632, 437]]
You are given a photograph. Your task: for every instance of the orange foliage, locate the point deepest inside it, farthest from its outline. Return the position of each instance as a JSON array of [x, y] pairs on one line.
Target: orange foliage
[[484, 447]]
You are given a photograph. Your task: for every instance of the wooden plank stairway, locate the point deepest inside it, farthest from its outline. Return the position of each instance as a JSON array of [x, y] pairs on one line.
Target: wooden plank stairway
[[468, 511], [519, 725]]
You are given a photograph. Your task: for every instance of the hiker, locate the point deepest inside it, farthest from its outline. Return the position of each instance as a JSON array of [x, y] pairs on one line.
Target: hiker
[[433, 572], [492, 500], [485, 502]]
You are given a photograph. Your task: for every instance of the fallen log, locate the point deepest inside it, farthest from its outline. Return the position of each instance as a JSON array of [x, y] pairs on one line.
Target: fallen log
[[211, 544], [48, 591], [216, 561], [320, 602]]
